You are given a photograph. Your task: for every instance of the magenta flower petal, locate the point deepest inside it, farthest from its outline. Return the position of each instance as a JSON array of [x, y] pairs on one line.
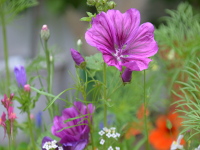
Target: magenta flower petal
[[127, 75], [71, 136], [122, 41], [143, 44], [138, 64], [78, 59]]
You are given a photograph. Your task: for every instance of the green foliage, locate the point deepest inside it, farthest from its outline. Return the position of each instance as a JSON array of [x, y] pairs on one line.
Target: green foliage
[[189, 105], [89, 18], [180, 31], [94, 63], [178, 40], [11, 8], [102, 5]]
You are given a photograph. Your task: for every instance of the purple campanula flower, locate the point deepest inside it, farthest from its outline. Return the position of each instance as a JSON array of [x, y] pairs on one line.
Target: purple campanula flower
[[122, 40], [20, 75], [126, 75], [77, 137], [78, 59], [39, 119]]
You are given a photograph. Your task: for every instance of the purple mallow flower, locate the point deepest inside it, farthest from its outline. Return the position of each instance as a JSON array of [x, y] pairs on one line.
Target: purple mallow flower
[[20, 75], [48, 144], [78, 59], [122, 40], [77, 137], [126, 75]]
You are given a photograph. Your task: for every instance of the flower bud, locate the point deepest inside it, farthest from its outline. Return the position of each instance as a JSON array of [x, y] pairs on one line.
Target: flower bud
[[126, 75], [111, 4], [45, 33], [78, 59], [79, 42], [27, 88], [20, 75], [91, 2]]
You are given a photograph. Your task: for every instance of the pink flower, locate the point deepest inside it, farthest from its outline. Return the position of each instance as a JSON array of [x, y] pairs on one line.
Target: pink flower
[[11, 115], [6, 101], [122, 40], [27, 88], [3, 122]]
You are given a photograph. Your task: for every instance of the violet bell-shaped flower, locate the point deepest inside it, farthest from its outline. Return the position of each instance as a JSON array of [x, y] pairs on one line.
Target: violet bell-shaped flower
[[78, 59], [20, 75], [122, 40], [77, 137]]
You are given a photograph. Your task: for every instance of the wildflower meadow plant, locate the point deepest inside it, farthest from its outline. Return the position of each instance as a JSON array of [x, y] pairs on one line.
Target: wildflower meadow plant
[[116, 100]]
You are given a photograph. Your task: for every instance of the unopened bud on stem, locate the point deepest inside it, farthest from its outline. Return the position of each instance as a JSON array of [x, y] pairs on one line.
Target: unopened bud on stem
[[45, 34]]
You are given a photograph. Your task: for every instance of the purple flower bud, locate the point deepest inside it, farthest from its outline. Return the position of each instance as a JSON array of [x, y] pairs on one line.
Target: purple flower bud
[[126, 75], [20, 75], [27, 88], [78, 59]]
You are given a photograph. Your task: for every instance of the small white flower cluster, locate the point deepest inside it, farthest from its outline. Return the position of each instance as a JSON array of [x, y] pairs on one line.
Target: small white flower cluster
[[50, 145], [111, 148], [110, 133]]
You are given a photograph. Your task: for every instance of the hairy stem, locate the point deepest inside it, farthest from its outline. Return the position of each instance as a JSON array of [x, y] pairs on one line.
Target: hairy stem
[[50, 74], [105, 94]]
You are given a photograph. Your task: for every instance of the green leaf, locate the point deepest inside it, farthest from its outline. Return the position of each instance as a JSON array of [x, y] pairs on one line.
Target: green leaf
[[71, 119], [94, 63]]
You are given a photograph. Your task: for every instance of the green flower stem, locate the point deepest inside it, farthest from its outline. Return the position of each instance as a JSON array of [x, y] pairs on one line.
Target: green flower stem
[[145, 114], [9, 142], [6, 56], [105, 94], [50, 74], [31, 131]]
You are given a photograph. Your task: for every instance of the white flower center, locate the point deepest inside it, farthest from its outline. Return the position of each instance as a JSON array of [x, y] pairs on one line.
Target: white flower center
[[51, 145]]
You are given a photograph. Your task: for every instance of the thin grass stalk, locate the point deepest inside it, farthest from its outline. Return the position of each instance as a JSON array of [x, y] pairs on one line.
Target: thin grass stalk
[[6, 56]]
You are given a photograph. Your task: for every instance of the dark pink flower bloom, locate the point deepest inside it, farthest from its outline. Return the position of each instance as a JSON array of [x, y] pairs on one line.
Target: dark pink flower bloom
[[126, 75], [122, 40], [77, 137], [6, 101], [3, 122], [11, 115], [78, 59]]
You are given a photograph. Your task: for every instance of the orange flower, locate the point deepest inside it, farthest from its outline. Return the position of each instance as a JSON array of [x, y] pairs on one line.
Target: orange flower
[[166, 132], [137, 127]]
